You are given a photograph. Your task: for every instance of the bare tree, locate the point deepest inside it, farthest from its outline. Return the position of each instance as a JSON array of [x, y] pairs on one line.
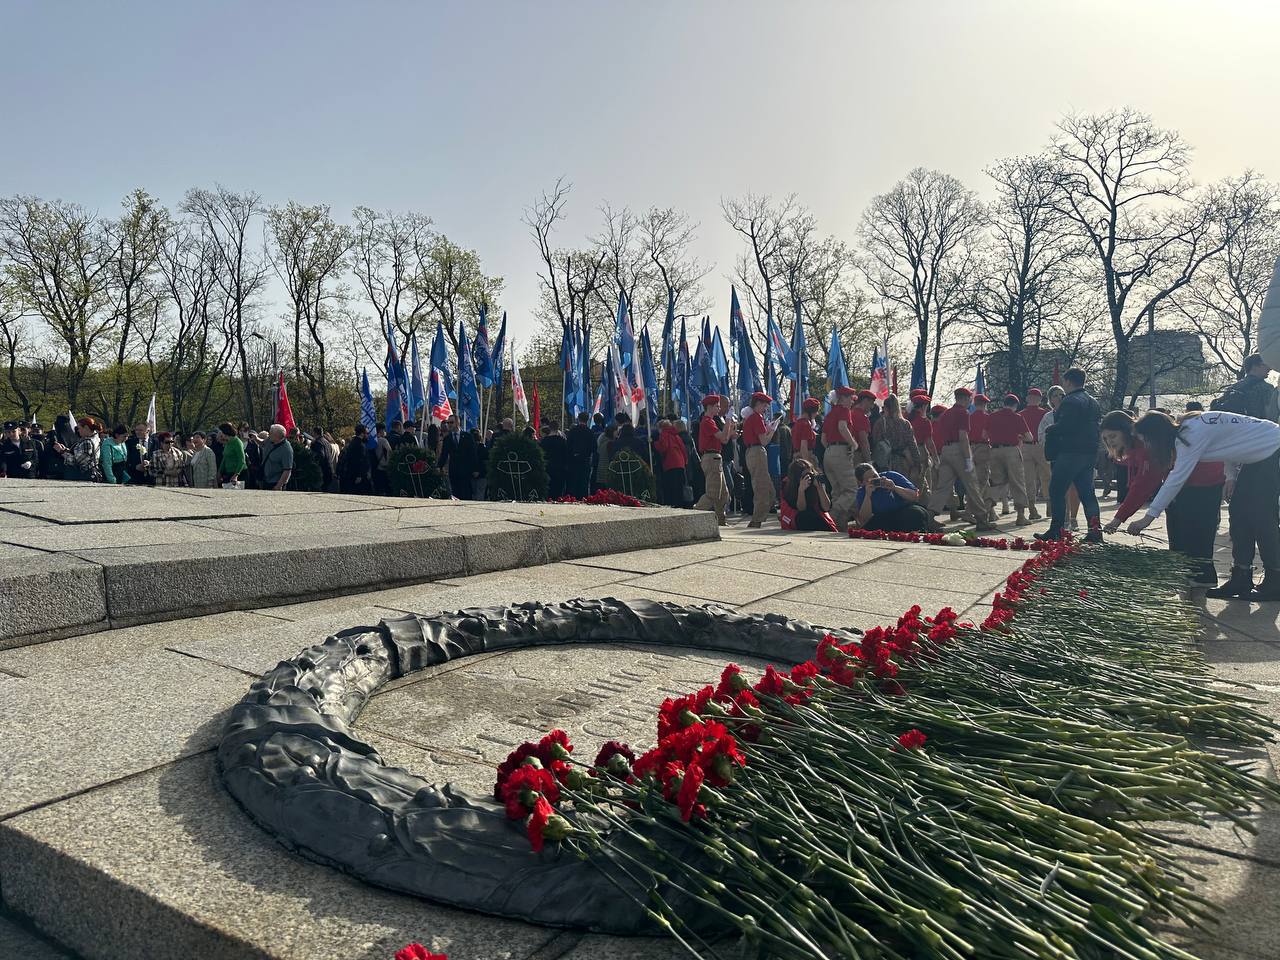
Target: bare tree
[[58, 261], [1126, 184], [452, 284], [387, 257], [1223, 300], [919, 240], [572, 280], [310, 253], [1026, 280], [15, 339], [764, 226], [668, 235], [225, 217]]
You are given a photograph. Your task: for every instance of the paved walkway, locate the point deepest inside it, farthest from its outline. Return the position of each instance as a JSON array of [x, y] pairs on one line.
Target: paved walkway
[[115, 839]]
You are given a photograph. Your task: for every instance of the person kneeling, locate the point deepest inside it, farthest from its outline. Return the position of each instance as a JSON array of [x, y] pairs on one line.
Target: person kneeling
[[804, 504], [888, 502]]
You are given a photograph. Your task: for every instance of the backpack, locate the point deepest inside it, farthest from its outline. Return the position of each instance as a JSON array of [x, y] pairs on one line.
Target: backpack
[[1239, 398]]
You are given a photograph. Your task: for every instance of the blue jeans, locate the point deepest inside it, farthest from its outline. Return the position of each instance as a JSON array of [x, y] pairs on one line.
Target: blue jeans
[[1069, 469]]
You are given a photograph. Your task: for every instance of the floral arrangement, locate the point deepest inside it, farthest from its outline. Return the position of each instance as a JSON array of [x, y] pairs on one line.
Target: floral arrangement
[[604, 497], [930, 789], [964, 538]]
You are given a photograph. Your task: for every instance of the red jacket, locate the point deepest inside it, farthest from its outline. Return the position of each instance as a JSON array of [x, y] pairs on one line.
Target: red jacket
[[671, 446], [1145, 478]]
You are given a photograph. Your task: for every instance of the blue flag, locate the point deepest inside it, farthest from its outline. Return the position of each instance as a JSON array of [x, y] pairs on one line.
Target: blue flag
[[918, 379], [837, 373], [800, 383], [783, 358], [608, 389], [623, 334], [668, 336], [499, 348], [679, 373], [397, 384], [468, 394], [584, 359], [417, 388], [440, 360], [649, 375], [748, 371], [368, 415], [481, 358], [979, 385], [771, 380]]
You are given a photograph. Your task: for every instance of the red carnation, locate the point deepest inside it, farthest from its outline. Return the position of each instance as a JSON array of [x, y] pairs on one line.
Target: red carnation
[[522, 789], [1084, 594], [554, 746], [418, 466], [912, 740], [614, 748], [687, 799], [542, 811], [416, 951]]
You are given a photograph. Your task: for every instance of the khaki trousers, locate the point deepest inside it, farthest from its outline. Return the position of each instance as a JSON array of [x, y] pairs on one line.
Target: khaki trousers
[[1035, 469], [838, 465], [716, 494], [761, 484], [982, 475], [1008, 470], [951, 468]]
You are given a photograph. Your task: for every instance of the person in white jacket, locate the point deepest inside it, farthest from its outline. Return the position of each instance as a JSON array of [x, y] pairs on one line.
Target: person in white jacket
[[1249, 449]]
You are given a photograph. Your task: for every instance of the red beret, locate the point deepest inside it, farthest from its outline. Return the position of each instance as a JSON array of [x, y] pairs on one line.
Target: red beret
[[964, 390], [939, 410], [1034, 392], [1010, 396], [846, 392], [812, 404], [710, 399], [919, 392], [921, 398], [981, 398], [759, 397], [866, 395]]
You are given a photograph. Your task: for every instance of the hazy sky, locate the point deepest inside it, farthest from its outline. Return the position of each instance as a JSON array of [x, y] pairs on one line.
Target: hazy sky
[[467, 110]]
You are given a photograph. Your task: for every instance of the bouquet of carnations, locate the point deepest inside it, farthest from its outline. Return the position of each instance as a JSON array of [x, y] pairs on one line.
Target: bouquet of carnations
[[934, 789], [604, 497]]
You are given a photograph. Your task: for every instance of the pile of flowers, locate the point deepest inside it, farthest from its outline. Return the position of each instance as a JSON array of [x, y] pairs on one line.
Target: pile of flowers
[[881, 799], [416, 951], [603, 497], [964, 538]]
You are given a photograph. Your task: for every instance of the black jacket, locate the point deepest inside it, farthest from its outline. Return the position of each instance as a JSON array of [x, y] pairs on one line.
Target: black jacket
[[1075, 425]]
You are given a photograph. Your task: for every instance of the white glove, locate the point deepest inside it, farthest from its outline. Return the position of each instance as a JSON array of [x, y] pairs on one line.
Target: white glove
[[968, 465], [26, 465]]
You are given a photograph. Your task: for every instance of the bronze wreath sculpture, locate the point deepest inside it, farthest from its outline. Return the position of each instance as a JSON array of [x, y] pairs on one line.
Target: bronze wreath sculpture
[[290, 759]]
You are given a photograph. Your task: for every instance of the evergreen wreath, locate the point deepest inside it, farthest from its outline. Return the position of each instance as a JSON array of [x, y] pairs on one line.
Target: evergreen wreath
[[508, 477]]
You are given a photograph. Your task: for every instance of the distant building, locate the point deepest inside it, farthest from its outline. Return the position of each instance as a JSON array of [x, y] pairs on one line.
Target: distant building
[[1039, 370], [1179, 362]]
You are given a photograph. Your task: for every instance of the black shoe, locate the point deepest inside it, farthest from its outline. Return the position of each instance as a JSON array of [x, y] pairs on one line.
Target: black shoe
[[1048, 535], [1239, 585], [1269, 589], [1093, 536]]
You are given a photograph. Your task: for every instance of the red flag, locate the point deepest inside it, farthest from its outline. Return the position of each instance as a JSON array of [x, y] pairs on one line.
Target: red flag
[[1057, 375], [284, 414], [536, 419]]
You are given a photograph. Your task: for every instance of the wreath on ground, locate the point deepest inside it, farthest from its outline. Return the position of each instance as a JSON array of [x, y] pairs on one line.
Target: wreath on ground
[[412, 472], [631, 475], [517, 469]]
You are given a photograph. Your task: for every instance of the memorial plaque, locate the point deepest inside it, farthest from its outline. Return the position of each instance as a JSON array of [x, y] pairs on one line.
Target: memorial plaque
[[471, 717]]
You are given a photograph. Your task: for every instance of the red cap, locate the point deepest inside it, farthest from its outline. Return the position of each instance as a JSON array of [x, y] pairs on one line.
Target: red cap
[[919, 392], [1034, 392], [1010, 396], [938, 409], [710, 399], [759, 397], [964, 390], [812, 404], [921, 398], [866, 395], [981, 398], [846, 392]]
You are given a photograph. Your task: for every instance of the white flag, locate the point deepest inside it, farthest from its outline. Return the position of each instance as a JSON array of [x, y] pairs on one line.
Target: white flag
[[517, 387], [151, 417], [624, 398]]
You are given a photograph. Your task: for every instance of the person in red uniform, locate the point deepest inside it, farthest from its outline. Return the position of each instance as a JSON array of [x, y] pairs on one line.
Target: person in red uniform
[[956, 462], [756, 434], [713, 434], [1007, 431], [980, 444], [1192, 517], [675, 459], [1035, 466], [839, 447], [922, 430], [860, 423], [804, 441]]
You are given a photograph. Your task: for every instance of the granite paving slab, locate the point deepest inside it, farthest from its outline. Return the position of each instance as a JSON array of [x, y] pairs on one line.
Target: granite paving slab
[[721, 584], [833, 547], [890, 600], [74, 654], [290, 525], [1246, 892], [483, 710], [817, 614], [667, 558], [17, 942], [499, 545], [797, 566], [64, 734], [1002, 562], [1261, 621], [900, 569], [166, 866], [76, 506], [45, 594], [432, 516], [610, 530], [70, 538]]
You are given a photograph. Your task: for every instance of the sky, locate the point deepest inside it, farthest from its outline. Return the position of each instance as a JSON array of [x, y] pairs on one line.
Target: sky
[[467, 111]]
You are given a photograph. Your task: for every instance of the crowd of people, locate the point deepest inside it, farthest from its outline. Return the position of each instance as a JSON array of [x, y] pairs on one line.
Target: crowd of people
[[866, 462]]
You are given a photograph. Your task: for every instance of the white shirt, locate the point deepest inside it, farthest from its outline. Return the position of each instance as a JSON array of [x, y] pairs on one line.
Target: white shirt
[[1232, 438], [1045, 423]]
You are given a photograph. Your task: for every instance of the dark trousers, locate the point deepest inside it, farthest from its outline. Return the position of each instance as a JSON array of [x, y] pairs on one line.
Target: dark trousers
[[579, 477], [908, 518], [1071, 469], [1192, 521], [1254, 516], [673, 487]]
